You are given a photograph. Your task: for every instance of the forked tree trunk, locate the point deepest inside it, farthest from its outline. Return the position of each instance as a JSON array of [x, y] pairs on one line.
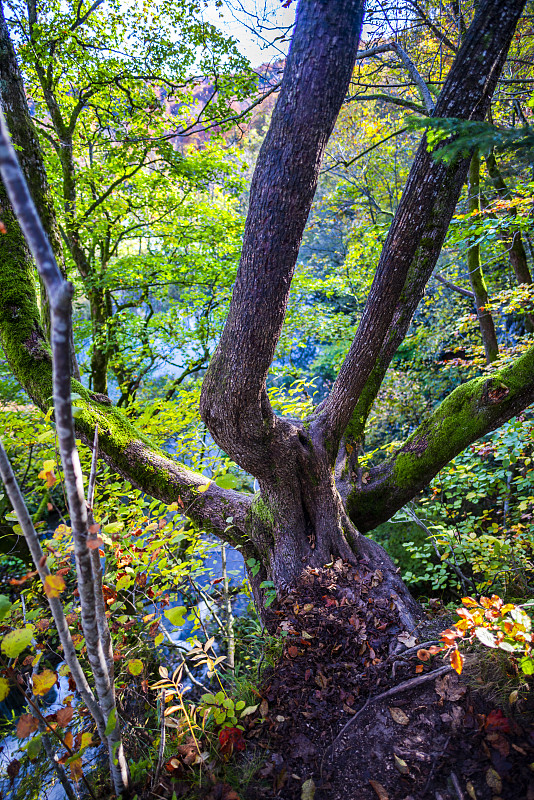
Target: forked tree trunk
[[300, 518]]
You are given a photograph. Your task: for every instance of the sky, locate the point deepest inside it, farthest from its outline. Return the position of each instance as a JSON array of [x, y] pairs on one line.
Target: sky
[[256, 24]]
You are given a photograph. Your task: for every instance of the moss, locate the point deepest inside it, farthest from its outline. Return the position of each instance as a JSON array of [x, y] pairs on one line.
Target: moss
[[21, 335], [261, 511]]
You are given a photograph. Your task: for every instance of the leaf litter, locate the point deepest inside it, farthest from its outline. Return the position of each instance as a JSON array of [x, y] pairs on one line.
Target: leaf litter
[[439, 737]]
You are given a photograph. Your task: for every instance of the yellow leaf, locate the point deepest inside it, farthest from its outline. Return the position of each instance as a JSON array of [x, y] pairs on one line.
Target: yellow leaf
[[54, 585], [4, 689], [43, 682]]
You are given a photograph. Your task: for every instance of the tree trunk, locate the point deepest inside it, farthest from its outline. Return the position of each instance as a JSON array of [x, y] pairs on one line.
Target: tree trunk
[[474, 267], [513, 241], [100, 315]]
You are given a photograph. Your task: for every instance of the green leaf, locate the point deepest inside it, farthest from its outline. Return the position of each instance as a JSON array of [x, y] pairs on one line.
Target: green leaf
[[15, 642], [227, 481], [111, 724], [135, 667], [4, 689], [34, 747], [176, 615], [5, 605], [527, 665]]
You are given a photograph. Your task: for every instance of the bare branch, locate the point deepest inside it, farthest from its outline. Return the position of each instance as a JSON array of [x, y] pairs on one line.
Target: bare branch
[[454, 286]]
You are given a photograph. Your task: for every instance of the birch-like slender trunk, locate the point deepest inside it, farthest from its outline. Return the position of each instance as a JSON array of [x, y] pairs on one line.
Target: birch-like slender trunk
[[60, 297]]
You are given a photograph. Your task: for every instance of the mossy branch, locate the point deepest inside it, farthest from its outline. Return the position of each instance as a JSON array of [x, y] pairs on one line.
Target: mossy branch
[[472, 410]]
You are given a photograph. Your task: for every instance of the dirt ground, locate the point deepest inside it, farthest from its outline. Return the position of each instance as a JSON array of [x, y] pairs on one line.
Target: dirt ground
[[352, 713]]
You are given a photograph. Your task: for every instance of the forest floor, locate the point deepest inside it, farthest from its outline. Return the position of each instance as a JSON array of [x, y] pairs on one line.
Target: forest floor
[[348, 717]]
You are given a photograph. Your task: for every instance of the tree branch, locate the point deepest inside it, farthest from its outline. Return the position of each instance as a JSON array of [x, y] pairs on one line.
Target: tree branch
[[423, 216], [319, 66], [454, 286], [472, 410]]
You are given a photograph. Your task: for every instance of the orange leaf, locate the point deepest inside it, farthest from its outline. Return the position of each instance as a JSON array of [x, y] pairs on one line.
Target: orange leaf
[[457, 661], [64, 716], [95, 543], [69, 740]]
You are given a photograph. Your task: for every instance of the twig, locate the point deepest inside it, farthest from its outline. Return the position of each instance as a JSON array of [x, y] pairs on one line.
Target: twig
[[229, 615], [100, 605], [39, 559], [457, 787], [434, 764]]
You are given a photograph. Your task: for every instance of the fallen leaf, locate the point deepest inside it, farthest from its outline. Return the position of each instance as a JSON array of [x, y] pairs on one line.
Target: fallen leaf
[[496, 721], [379, 790], [449, 688], [471, 790], [406, 639], [418, 669], [292, 651], [399, 716], [493, 779], [308, 790], [401, 765]]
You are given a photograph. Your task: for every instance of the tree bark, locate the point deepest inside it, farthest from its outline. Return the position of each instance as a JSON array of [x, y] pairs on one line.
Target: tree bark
[[513, 241], [15, 107], [474, 268]]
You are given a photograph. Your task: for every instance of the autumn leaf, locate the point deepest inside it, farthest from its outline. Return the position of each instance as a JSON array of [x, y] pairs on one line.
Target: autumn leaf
[[54, 585], [76, 769], [4, 689], [26, 725], [457, 661], [47, 473], [135, 667], [43, 682], [379, 790], [64, 716], [95, 543], [398, 715]]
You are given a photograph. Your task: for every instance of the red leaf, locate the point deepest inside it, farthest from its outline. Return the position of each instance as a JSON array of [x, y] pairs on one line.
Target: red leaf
[[496, 721], [230, 738]]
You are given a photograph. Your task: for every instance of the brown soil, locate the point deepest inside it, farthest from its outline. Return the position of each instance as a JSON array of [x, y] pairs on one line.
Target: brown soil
[[329, 734]]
